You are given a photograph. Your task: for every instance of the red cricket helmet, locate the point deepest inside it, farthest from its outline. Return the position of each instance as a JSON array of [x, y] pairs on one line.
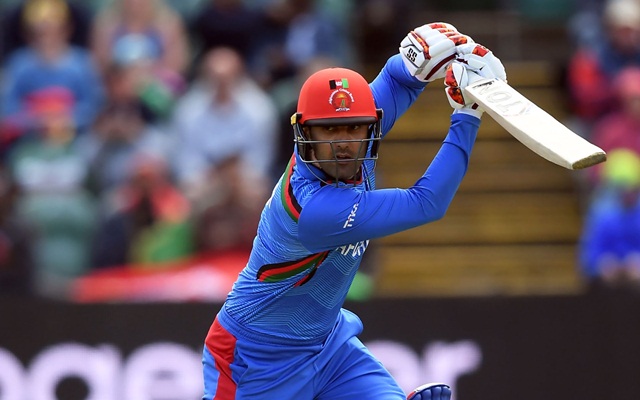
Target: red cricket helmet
[[336, 96]]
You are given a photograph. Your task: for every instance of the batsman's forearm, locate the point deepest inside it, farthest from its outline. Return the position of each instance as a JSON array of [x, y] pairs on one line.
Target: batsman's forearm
[[440, 182]]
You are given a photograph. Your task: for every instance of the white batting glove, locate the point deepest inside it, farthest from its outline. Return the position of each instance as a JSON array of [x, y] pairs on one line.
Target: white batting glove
[[457, 77], [429, 49], [481, 60], [474, 62]]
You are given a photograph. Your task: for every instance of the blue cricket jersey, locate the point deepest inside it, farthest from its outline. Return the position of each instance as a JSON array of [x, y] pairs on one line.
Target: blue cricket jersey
[[312, 236]]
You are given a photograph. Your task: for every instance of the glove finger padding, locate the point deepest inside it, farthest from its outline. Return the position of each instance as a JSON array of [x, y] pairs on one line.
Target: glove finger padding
[[458, 77], [427, 50], [481, 60]]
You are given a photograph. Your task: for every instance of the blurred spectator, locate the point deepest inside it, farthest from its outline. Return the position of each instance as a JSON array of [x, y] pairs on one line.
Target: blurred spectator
[[16, 250], [50, 176], [130, 30], [13, 32], [312, 34], [294, 33], [224, 219], [149, 37], [49, 70], [585, 25], [620, 129], [382, 25], [226, 126], [228, 23], [276, 37], [594, 65], [122, 131], [223, 115], [610, 242], [146, 219]]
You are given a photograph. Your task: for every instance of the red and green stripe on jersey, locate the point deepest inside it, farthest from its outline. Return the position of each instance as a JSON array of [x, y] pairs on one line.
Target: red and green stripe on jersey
[[281, 271], [289, 202]]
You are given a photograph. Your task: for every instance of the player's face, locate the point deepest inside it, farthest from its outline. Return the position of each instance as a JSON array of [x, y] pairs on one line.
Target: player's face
[[343, 146]]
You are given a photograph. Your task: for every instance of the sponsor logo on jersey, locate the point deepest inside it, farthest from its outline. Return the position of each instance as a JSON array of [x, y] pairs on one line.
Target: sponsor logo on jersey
[[351, 218], [354, 249]]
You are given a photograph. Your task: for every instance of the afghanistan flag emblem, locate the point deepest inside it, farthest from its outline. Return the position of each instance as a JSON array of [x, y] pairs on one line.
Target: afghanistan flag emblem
[[342, 83]]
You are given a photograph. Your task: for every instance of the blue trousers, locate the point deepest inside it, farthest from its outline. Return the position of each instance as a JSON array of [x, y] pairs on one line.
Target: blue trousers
[[341, 368]]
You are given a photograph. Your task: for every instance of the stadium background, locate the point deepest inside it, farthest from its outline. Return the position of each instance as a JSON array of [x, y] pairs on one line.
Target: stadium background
[[489, 299]]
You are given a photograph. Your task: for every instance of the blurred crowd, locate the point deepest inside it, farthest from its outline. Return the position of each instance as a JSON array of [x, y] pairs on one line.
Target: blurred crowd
[[139, 132], [603, 78]]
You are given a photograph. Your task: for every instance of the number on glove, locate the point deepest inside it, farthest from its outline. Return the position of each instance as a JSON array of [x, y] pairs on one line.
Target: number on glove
[[427, 50]]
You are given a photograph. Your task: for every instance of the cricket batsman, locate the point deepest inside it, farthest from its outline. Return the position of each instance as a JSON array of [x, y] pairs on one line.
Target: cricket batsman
[[282, 333]]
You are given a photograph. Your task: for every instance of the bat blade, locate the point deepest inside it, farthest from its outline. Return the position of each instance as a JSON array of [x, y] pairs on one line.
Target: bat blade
[[534, 127]]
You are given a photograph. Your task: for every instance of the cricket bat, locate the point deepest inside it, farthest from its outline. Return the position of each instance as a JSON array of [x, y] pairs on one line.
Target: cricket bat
[[533, 126]]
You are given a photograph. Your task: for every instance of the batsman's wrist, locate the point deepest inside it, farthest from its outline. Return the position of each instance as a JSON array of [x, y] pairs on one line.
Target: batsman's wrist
[[469, 111]]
